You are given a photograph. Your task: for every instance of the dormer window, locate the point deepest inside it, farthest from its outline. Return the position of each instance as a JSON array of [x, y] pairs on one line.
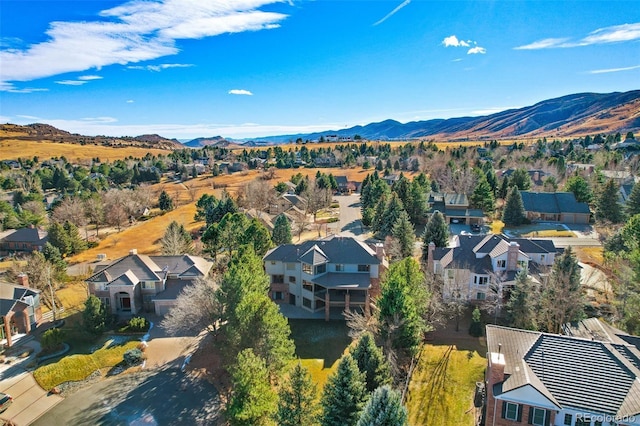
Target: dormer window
[[501, 263]]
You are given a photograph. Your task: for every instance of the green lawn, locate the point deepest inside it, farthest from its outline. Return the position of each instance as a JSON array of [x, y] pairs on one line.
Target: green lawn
[[442, 387], [319, 345]]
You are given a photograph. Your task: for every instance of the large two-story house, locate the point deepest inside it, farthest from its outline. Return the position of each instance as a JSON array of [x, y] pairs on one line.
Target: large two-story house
[[455, 208], [335, 272], [546, 379], [23, 240], [554, 207], [474, 265], [139, 282], [20, 310]]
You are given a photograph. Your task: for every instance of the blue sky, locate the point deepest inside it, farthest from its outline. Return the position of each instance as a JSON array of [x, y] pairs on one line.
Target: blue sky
[[246, 68]]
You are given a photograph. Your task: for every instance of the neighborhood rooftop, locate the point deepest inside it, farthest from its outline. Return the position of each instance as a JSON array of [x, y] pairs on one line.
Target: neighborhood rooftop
[[335, 249]]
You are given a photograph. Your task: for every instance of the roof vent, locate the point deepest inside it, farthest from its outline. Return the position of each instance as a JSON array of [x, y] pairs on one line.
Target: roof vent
[[499, 347]]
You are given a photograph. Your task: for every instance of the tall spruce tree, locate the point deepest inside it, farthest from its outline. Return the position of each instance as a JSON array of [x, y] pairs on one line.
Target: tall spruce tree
[[344, 395], [436, 231], [384, 408], [632, 206], [521, 306], [580, 188], [371, 362], [404, 234], [253, 401], [607, 206], [513, 213], [521, 179], [482, 197], [281, 231], [297, 404], [165, 203]]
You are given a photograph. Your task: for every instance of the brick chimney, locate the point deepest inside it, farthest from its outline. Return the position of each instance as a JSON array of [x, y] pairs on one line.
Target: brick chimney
[[23, 280], [133, 251], [380, 251], [430, 250], [494, 374], [512, 256]]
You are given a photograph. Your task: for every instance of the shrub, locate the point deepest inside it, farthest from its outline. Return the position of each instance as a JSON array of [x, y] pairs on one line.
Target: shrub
[[133, 356], [51, 339], [138, 324]]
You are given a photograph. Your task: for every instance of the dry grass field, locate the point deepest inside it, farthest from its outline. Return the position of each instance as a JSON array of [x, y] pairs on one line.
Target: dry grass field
[[13, 149]]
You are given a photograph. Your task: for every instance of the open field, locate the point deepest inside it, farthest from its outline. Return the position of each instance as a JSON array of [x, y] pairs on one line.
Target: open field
[[75, 153], [442, 387]]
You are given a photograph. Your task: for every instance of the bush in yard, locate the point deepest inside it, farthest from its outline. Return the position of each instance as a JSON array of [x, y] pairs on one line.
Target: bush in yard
[[51, 340], [133, 356], [138, 324]]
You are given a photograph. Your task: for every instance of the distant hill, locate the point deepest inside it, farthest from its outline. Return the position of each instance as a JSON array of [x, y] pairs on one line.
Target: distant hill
[[572, 115], [42, 132], [213, 141]]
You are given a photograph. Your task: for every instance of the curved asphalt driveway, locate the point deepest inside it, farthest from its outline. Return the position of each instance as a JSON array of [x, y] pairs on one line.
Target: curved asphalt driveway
[[153, 397]]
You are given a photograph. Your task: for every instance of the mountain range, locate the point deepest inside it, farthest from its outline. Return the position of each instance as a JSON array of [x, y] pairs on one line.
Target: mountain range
[[572, 115], [567, 116]]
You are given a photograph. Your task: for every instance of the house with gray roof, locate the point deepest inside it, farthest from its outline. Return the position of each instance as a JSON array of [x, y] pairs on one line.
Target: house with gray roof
[[23, 240], [138, 282], [20, 310], [479, 267], [547, 379], [455, 208], [554, 207], [318, 275]]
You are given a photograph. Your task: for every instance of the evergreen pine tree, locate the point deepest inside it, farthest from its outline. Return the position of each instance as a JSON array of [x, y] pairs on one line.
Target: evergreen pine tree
[[521, 179], [165, 202], [371, 362], [297, 404], [384, 409], [59, 238], [482, 197], [391, 214], [504, 188], [378, 216], [632, 207], [436, 231], [580, 188], [607, 206], [404, 233], [253, 400], [281, 231], [344, 395], [416, 202], [513, 213], [522, 303]]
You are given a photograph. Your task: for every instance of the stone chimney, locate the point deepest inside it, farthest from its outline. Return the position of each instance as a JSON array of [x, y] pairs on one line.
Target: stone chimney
[[23, 280], [133, 251], [380, 251], [494, 374], [512, 256], [430, 250]]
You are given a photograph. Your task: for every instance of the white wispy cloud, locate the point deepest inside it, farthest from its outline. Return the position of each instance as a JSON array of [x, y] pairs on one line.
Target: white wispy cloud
[[12, 89], [452, 41], [89, 77], [136, 31], [159, 67], [608, 70], [240, 92], [476, 50], [130, 101], [612, 34], [72, 82], [393, 12]]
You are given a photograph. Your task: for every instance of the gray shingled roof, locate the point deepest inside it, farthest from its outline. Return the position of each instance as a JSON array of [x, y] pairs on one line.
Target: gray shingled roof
[[314, 256], [345, 250], [27, 235], [573, 372], [153, 268], [552, 202], [11, 294]]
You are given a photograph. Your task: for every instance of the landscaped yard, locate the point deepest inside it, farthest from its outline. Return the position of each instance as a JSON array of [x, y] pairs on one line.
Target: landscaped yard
[[442, 387], [80, 366], [319, 346], [534, 230]]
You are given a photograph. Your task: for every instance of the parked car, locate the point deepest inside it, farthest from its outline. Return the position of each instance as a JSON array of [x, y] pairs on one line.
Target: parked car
[[475, 228], [5, 401]]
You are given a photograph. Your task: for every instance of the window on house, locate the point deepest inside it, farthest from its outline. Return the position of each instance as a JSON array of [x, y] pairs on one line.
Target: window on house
[[306, 302], [277, 279], [364, 268], [568, 419], [292, 279], [450, 274], [148, 285], [480, 280], [542, 258], [321, 269], [306, 285], [511, 411], [481, 296], [538, 416], [291, 266], [339, 267], [582, 421], [501, 263], [273, 262], [307, 269]]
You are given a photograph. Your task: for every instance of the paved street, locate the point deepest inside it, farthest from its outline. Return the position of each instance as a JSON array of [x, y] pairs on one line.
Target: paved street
[[151, 397], [350, 224]]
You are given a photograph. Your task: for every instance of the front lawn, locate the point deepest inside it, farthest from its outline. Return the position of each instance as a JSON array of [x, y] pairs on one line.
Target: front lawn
[[80, 366], [442, 387]]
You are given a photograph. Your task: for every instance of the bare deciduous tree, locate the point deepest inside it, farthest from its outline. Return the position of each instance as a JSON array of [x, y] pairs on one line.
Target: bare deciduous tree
[[197, 308], [71, 209]]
